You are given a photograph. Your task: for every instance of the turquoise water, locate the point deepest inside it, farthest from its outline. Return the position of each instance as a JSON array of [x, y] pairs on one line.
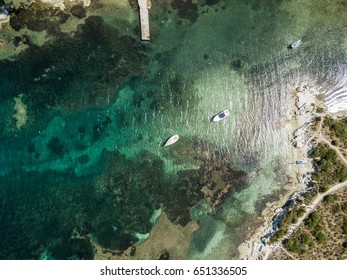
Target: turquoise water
[[100, 104]]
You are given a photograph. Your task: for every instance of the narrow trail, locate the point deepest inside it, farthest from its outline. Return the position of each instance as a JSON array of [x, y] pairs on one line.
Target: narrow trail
[[321, 138], [268, 249]]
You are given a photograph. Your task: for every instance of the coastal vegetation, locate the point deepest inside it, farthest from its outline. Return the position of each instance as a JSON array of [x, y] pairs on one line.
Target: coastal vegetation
[[329, 169], [338, 130], [290, 218], [323, 234]]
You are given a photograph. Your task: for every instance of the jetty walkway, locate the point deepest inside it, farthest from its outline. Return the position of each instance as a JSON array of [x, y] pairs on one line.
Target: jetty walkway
[[144, 6]]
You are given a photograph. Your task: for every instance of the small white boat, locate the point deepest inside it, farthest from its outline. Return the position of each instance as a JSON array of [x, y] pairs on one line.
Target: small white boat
[[296, 44], [221, 116], [173, 139]]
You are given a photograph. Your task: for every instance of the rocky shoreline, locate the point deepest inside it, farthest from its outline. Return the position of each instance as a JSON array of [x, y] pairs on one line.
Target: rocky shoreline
[[12, 12], [303, 118]]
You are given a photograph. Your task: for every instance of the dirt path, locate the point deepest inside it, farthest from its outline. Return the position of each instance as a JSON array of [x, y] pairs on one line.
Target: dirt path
[[321, 138], [314, 203], [268, 249]]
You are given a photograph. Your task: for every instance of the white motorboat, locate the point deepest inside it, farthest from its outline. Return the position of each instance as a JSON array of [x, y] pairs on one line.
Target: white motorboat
[[221, 116], [173, 139], [296, 44]]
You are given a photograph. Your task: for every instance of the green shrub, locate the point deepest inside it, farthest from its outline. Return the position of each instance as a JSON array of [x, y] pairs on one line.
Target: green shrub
[[344, 207], [340, 130], [280, 233], [320, 237], [329, 169], [292, 245], [313, 220], [323, 189], [305, 238], [330, 155], [338, 127], [301, 211], [330, 198], [341, 174], [330, 122], [344, 226]]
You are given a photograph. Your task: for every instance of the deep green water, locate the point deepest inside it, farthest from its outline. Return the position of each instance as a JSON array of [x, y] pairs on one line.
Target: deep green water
[[101, 103]]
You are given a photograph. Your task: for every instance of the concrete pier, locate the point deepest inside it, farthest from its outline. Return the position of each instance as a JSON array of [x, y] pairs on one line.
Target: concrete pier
[[144, 6]]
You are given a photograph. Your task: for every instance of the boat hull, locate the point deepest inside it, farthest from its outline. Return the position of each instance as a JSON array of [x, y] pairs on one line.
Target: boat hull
[[296, 44], [221, 116], [172, 140]]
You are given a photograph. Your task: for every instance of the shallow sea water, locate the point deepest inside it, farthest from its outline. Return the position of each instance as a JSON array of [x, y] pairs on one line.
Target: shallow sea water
[[89, 162]]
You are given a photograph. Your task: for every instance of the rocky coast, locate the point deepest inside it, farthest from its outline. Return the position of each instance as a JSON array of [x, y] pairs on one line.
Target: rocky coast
[[303, 118]]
